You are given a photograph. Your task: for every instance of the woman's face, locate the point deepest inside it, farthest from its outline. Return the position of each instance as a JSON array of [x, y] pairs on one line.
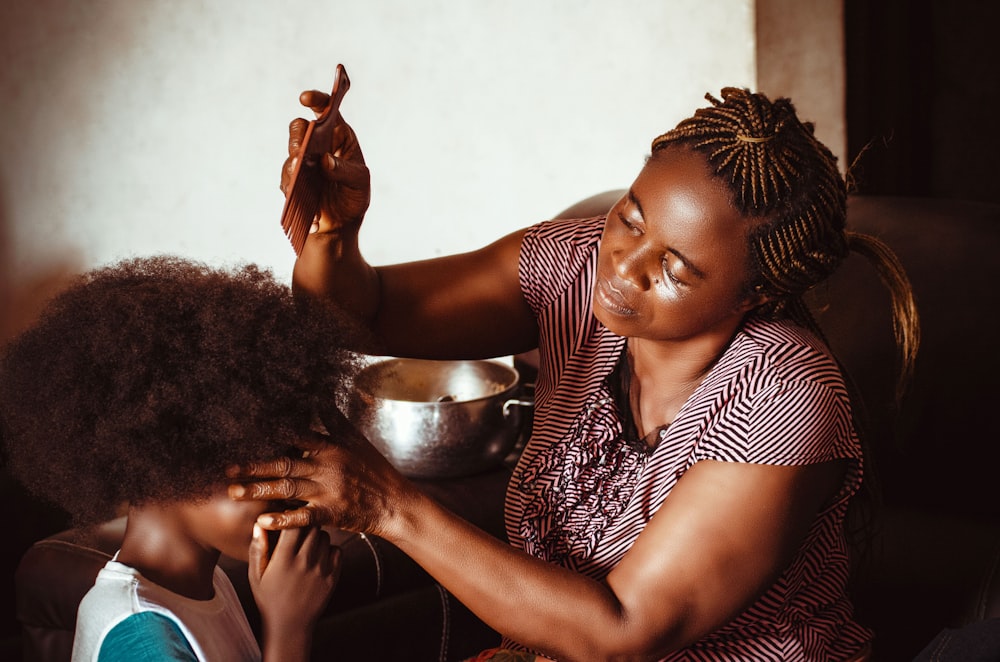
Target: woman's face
[[673, 256]]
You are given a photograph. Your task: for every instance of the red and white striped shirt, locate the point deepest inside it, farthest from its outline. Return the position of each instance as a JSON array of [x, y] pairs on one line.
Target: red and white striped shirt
[[582, 492]]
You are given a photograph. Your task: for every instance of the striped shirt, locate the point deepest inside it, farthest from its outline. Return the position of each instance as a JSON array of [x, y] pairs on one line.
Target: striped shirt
[[582, 491]]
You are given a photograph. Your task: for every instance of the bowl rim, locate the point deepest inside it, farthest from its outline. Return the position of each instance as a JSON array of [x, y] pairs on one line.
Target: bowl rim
[[373, 362]]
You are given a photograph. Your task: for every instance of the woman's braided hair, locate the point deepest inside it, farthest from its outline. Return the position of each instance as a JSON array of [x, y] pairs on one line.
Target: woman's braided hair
[[781, 176]]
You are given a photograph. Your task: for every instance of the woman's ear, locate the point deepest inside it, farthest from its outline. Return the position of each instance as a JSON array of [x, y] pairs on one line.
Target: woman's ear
[[755, 298]]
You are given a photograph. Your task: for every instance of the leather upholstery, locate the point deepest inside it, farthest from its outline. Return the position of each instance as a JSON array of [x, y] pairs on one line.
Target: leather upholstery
[[51, 580]]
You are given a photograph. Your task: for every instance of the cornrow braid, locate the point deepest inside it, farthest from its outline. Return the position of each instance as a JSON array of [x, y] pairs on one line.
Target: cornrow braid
[[787, 182]]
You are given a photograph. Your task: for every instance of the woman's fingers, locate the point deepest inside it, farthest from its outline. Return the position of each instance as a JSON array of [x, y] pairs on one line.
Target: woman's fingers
[[315, 100], [296, 132], [311, 445], [346, 172], [290, 519], [342, 484], [281, 467], [282, 489]]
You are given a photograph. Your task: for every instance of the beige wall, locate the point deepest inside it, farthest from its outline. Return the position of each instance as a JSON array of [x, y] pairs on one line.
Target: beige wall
[[137, 127], [800, 55], [131, 128]]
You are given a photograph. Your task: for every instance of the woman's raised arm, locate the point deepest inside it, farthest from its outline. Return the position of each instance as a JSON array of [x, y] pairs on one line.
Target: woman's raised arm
[[461, 306]]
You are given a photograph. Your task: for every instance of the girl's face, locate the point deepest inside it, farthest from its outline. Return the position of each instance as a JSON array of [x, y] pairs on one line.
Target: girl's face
[[673, 256], [225, 524]]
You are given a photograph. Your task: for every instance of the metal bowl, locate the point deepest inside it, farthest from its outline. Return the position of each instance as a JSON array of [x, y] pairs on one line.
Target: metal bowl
[[438, 419]]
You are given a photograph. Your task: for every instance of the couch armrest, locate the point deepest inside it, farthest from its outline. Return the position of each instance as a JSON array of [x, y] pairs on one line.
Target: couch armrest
[[51, 579]]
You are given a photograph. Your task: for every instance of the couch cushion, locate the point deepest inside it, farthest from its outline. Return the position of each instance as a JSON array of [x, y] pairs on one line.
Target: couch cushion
[[936, 450]]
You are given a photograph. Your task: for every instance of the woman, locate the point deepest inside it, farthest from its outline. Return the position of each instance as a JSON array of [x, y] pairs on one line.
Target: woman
[[693, 453]]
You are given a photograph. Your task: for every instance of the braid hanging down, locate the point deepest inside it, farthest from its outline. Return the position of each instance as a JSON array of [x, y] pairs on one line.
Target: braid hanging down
[[788, 183]]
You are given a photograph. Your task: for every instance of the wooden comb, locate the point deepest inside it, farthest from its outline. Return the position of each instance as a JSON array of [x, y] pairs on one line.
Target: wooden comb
[[305, 190]]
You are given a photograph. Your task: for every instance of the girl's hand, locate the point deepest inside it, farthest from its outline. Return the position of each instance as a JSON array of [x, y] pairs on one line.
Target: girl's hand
[[292, 587]]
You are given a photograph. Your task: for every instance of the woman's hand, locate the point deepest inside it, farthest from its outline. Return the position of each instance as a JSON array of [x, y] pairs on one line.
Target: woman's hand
[[346, 484], [292, 587], [330, 265], [348, 182]]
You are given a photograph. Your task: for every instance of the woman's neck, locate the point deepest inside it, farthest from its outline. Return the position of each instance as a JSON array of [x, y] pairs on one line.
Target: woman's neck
[[158, 544], [663, 377]]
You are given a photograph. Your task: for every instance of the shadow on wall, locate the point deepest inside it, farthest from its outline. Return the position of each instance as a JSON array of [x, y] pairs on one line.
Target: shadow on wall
[[30, 72], [21, 300], [33, 67], [22, 296]]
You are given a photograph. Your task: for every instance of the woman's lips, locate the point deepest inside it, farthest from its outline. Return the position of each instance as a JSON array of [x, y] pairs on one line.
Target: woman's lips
[[613, 300]]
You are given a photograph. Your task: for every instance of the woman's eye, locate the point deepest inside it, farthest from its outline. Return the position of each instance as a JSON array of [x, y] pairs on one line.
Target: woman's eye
[[632, 227], [669, 275]]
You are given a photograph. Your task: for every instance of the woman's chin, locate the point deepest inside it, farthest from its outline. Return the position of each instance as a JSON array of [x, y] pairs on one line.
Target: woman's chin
[[617, 322]]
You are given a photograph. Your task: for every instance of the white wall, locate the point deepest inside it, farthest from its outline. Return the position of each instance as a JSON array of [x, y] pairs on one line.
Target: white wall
[[134, 127]]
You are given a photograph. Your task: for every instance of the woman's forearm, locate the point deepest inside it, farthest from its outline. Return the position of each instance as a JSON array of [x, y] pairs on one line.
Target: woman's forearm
[[331, 268], [538, 604], [441, 308]]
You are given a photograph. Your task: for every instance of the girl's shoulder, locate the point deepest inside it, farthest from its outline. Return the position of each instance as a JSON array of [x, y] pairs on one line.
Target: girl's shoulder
[[153, 633]]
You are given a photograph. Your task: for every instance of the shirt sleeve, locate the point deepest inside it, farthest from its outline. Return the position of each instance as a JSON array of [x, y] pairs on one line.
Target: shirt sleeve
[[787, 423], [146, 635], [799, 422], [553, 253]]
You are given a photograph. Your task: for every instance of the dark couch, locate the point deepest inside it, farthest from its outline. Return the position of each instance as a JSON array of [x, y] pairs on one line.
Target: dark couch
[[926, 549], [932, 558]]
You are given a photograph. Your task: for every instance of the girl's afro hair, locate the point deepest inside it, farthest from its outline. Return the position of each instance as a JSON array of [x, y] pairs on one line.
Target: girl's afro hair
[[143, 380]]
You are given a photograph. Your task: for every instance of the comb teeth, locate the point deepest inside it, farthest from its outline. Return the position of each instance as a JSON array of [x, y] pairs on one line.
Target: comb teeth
[[302, 205], [305, 192]]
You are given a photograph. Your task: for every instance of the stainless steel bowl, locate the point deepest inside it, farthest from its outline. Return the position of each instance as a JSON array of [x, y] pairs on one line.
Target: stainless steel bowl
[[437, 419]]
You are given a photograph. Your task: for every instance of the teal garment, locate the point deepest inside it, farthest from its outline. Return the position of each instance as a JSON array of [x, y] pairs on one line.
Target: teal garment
[[147, 635]]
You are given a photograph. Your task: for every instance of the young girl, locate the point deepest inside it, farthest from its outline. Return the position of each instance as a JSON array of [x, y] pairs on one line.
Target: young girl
[[137, 387], [693, 452]]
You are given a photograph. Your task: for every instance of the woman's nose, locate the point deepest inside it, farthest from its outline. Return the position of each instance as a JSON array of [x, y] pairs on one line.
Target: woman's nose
[[630, 265]]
